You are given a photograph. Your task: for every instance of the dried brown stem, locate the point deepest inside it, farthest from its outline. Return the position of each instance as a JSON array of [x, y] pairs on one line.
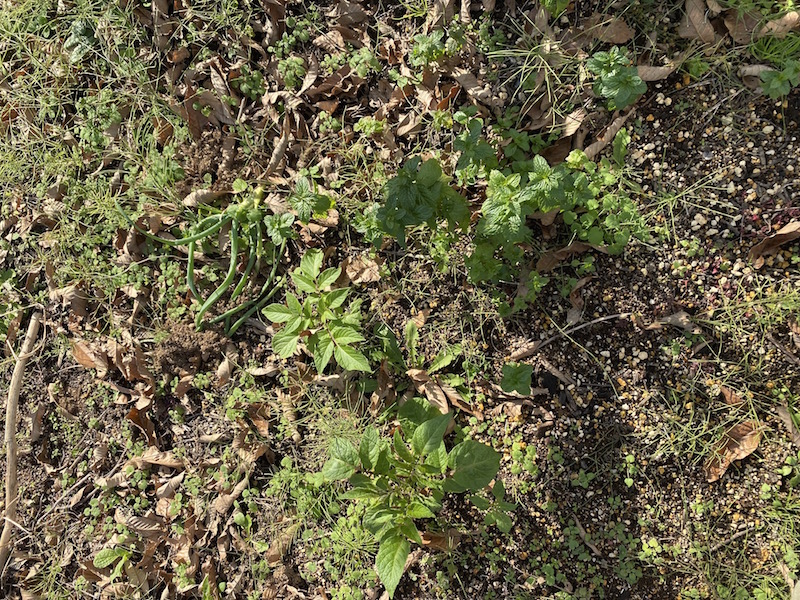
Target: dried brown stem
[[6, 539]]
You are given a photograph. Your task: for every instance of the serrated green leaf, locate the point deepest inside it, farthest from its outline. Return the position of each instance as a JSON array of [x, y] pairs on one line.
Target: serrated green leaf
[[311, 263], [474, 464], [414, 412], [428, 436], [400, 447], [304, 283], [391, 561], [284, 343], [279, 313], [335, 298], [345, 335], [517, 378], [336, 469], [498, 489], [417, 510], [321, 346], [408, 529], [350, 359], [370, 448], [328, 277], [503, 521], [479, 502]]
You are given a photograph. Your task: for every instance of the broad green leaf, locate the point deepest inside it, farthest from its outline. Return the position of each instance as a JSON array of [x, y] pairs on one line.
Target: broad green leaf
[[342, 449], [409, 530], [414, 412], [428, 436], [503, 521], [595, 236], [284, 343], [321, 346], [412, 338], [474, 464], [346, 335], [391, 561], [437, 459], [279, 313], [328, 277], [377, 519], [335, 298], [417, 510], [444, 358], [343, 461], [311, 263], [400, 447], [205, 589], [294, 304], [108, 556], [498, 489], [336, 469], [517, 378], [350, 359], [303, 282], [369, 449], [480, 502], [360, 493]]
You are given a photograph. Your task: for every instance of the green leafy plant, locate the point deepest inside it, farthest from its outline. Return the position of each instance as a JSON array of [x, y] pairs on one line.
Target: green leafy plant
[[517, 378], [298, 30], [476, 156], [617, 80], [331, 329], [368, 126], [418, 194], [402, 484], [427, 48], [778, 84], [363, 62], [292, 69], [308, 201], [255, 233], [109, 556], [250, 83]]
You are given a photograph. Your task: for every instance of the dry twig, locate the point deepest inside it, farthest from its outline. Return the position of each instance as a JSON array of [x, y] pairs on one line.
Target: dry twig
[[11, 440]]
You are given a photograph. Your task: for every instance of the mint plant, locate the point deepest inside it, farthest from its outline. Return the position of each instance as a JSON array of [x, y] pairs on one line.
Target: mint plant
[[477, 155], [617, 80], [331, 329], [402, 484], [427, 48], [419, 194], [778, 84], [250, 83]]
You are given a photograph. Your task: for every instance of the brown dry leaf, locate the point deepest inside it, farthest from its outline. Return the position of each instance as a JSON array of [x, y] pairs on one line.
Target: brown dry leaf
[[430, 389], [90, 356], [281, 544], [573, 121], [612, 30], [444, 541], [227, 365], [152, 456], [143, 422], [650, 73], [311, 74], [605, 138], [694, 24], [259, 417], [785, 415], [362, 269], [147, 527], [348, 13], [472, 86], [410, 124], [202, 196], [737, 443], [576, 300], [742, 27], [167, 490], [751, 75], [769, 246], [550, 260], [281, 144], [731, 398], [680, 319], [780, 28]]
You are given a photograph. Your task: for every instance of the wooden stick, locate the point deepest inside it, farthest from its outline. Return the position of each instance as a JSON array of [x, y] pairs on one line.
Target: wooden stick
[[11, 440]]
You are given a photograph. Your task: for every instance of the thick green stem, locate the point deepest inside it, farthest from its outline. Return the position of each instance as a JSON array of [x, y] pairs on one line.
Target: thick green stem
[[254, 240], [226, 283]]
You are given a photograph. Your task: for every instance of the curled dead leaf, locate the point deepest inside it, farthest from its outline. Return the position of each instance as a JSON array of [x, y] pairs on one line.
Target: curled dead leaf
[[739, 442], [695, 24], [90, 356], [731, 398], [609, 29], [769, 246], [550, 260]]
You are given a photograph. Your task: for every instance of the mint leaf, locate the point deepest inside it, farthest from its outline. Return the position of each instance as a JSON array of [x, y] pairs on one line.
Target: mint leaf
[[311, 263], [278, 313], [284, 343]]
